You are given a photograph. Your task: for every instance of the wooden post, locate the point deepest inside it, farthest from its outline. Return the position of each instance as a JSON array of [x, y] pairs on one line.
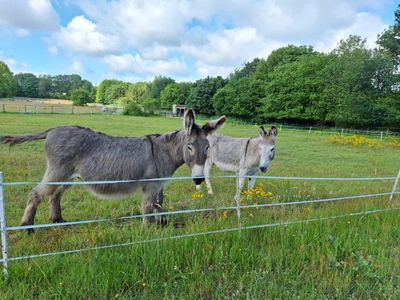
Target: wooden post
[[309, 131], [25, 108], [4, 108], [381, 135], [51, 109]]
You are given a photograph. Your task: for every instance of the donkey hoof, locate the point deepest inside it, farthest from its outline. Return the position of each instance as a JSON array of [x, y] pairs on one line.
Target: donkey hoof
[[58, 220], [29, 230], [163, 221], [198, 187], [210, 192]]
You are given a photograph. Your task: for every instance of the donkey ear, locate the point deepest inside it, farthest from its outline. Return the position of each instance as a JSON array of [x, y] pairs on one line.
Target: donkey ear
[[262, 131], [188, 120], [213, 125], [273, 131]]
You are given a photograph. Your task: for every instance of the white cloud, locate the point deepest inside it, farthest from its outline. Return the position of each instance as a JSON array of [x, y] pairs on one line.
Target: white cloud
[[53, 50], [28, 15], [22, 32], [229, 47], [141, 66], [364, 24], [76, 67], [82, 35], [14, 65], [161, 37]]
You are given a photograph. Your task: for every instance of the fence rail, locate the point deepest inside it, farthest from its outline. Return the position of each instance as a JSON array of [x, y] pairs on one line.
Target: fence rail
[[4, 229]]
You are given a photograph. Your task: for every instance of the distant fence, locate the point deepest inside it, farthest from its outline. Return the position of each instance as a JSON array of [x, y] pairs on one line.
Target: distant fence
[[5, 229], [44, 108]]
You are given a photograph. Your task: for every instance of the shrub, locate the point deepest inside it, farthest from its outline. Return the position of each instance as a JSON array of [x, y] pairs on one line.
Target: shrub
[[133, 109]]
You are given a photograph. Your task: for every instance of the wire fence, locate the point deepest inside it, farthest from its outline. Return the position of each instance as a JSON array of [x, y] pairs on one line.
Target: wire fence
[[5, 229], [30, 107]]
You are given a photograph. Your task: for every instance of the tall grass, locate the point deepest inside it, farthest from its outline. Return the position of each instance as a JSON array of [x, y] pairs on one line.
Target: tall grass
[[350, 257]]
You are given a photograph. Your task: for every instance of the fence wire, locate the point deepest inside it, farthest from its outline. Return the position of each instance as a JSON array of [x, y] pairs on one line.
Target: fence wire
[[190, 178], [4, 229], [203, 233], [199, 210]]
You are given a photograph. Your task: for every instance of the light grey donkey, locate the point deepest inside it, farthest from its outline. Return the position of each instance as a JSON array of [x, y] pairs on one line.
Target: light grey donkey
[[244, 156], [77, 152]]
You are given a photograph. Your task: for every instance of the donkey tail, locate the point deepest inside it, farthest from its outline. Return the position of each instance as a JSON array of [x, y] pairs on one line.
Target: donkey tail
[[14, 140]]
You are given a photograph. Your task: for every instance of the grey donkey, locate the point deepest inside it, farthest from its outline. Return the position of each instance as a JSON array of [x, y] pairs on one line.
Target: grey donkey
[[77, 152], [244, 156]]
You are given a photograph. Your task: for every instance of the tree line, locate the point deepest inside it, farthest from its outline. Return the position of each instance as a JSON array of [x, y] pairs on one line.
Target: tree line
[[71, 87], [352, 85]]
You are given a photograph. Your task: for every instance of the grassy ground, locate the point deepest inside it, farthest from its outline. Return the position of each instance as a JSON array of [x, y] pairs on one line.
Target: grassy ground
[[351, 257]]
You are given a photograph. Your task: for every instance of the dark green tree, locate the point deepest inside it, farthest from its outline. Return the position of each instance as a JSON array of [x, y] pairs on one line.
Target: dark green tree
[[7, 82], [176, 93], [27, 85], [294, 92], [389, 40], [279, 57], [240, 98], [202, 93], [247, 70], [158, 84], [80, 96], [101, 90]]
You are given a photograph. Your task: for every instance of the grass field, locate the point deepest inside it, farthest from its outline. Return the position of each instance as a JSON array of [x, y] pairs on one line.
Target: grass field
[[351, 257]]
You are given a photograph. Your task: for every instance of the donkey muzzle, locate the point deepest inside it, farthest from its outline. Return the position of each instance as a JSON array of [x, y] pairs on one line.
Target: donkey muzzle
[[198, 180], [263, 169]]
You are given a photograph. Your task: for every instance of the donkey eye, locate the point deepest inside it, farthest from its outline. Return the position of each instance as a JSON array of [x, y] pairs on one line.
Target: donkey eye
[[189, 148], [207, 148], [273, 149]]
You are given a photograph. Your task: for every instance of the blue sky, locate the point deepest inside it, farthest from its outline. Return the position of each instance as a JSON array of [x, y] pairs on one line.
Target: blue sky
[[187, 40]]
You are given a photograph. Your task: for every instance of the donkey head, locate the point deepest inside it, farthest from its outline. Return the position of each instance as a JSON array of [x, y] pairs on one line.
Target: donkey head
[[267, 147], [195, 148]]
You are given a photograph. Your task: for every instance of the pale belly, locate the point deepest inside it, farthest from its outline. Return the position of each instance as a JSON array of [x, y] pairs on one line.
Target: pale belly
[[226, 166]]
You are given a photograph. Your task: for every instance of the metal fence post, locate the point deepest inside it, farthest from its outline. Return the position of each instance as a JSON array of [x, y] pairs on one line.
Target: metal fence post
[[3, 228], [394, 187]]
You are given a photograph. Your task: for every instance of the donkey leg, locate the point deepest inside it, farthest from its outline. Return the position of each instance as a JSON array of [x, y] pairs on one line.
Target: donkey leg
[[252, 181], [55, 204], [239, 188], [35, 197], [150, 201], [207, 173], [158, 207]]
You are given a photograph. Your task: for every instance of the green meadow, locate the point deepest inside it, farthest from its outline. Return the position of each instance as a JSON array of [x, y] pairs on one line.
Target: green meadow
[[348, 257]]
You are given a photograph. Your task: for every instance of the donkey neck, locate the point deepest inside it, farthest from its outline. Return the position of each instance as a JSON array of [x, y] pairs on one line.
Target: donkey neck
[[170, 151]]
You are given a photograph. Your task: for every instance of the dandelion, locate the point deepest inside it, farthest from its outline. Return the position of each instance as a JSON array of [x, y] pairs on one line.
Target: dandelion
[[224, 215], [355, 141], [197, 196]]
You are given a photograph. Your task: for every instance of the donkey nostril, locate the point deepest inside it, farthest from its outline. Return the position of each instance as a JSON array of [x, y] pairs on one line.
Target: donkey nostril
[[198, 180], [263, 169]]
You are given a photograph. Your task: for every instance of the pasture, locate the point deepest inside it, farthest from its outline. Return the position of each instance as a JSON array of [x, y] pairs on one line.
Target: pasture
[[351, 257]]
